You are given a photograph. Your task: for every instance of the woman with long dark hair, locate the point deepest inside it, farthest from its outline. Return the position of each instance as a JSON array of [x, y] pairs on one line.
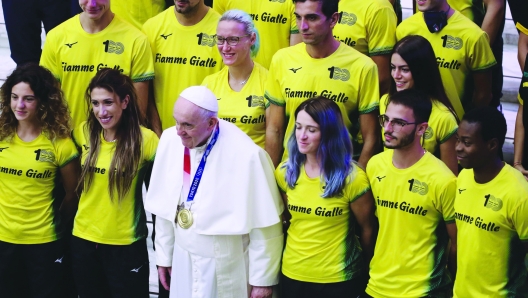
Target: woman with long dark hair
[[109, 235], [327, 194], [413, 65], [39, 170]]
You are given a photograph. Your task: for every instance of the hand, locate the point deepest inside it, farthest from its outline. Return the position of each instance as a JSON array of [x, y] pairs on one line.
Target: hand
[[164, 274], [521, 169], [261, 292]]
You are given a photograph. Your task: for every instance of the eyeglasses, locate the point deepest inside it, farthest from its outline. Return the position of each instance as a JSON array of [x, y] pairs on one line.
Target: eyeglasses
[[397, 125], [231, 40]]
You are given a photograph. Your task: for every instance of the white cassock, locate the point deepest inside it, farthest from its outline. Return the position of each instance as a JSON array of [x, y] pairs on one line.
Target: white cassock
[[236, 239]]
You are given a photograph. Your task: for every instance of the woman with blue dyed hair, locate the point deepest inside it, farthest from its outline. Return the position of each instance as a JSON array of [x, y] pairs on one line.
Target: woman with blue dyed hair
[[239, 86], [328, 195]]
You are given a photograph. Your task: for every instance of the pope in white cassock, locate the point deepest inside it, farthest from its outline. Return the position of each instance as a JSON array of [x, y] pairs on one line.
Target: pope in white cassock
[[218, 227]]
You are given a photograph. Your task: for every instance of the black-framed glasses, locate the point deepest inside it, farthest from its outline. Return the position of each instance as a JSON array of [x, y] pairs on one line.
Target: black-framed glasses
[[231, 40], [396, 124]]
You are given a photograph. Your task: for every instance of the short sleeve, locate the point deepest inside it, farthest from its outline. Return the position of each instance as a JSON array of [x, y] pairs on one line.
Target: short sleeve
[[280, 176], [447, 124], [381, 31], [520, 219], [219, 6], [359, 185], [150, 144], [142, 64], [293, 24], [78, 135], [273, 90], [368, 89], [65, 151], [480, 54], [445, 200], [48, 59]]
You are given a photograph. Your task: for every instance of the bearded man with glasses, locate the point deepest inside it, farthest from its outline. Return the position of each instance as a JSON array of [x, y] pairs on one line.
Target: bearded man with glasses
[[414, 192]]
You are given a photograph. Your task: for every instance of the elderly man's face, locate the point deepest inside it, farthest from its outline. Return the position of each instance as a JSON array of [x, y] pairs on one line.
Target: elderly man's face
[[191, 126]]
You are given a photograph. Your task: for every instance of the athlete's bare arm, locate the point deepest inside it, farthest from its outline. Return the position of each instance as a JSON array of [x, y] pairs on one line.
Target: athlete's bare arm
[[452, 256], [448, 154], [383, 63], [363, 209], [482, 93], [142, 91], [491, 23], [275, 132], [70, 174], [370, 129], [295, 39]]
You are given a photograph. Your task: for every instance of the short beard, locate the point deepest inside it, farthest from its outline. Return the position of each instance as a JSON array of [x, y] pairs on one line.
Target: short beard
[[403, 141]]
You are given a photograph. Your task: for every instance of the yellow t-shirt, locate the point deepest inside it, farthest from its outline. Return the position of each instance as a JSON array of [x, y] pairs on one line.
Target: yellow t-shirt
[[246, 108], [347, 77], [461, 48], [274, 20], [100, 219], [413, 206], [442, 125], [74, 57], [492, 222], [471, 9], [137, 12], [367, 26], [183, 57], [322, 246], [28, 177]]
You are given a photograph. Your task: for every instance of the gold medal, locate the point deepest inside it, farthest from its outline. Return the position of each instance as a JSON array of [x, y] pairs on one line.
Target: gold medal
[[185, 219]]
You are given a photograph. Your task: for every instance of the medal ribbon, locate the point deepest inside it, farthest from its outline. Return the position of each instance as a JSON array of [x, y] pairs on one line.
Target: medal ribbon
[[199, 171]]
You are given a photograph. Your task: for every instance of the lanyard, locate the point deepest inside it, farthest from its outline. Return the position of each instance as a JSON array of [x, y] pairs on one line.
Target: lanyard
[[199, 171]]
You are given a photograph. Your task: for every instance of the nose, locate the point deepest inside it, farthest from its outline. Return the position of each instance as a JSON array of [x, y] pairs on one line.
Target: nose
[[179, 130], [102, 110], [21, 104], [388, 127], [304, 25], [458, 146], [396, 73]]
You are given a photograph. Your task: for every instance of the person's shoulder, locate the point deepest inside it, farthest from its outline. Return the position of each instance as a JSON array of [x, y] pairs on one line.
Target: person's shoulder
[[292, 51], [439, 169], [148, 133], [378, 5], [411, 21], [238, 141], [379, 160], [64, 29], [159, 18], [353, 56], [211, 16]]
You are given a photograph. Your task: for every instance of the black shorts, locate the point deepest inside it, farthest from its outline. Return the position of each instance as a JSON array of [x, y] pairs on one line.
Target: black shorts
[[102, 270], [292, 288], [31, 270]]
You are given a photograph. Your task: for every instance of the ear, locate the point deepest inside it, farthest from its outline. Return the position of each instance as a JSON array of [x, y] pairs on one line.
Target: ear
[[213, 121], [333, 19], [124, 102], [253, 38], [422, 128], [493, 145]]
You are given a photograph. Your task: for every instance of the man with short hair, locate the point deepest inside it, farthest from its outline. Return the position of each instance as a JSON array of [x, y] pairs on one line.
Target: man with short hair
[[97, 38], [491, 211], [183, 49], [322, 65], [462, 49], [218, 208], [414, 193]]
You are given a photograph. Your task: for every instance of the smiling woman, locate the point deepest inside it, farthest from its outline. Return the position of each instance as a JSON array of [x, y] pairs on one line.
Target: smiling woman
[[37, 158], [328, 196], [239, 86], [117, 155]]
